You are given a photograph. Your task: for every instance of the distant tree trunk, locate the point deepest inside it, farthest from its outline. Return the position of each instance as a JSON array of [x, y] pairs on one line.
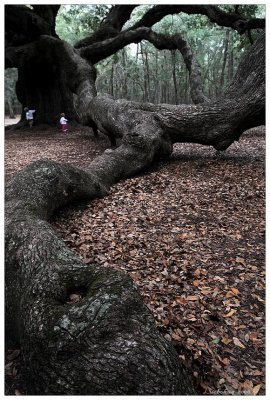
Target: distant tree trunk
[[10, 109], [175, 100], [225, 57], [230, 65], [187, 100], [124, 84], [111, 84], [145, 73], [156, 81]]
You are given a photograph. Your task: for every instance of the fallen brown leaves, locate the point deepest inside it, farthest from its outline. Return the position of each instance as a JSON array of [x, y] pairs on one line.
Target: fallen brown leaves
[[190, 233]]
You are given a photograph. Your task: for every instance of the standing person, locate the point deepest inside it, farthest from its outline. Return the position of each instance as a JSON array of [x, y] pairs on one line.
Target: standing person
[[63, 122], [29, 116]]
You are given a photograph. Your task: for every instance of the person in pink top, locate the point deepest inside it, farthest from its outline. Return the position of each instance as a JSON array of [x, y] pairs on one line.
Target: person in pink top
[[63, 123]]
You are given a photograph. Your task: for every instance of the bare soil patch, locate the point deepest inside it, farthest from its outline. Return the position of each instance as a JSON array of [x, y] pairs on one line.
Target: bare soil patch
[[12, 121], [190, 232]]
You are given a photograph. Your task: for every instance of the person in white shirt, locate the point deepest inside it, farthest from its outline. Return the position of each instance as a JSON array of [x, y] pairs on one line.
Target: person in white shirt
[[63, 122], [29, 116]]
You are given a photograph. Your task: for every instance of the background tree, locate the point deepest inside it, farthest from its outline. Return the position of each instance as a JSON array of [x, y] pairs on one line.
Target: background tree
[[12, 106], [107, 342]]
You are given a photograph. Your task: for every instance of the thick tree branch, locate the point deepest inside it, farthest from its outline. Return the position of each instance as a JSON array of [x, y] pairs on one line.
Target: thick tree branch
[[231, 20], [23, 25], [98, 51], [194, 69], [105, 344], [241, 107], [108, 47], [110, 26], [218, 123], [48, 13], [117, 40]]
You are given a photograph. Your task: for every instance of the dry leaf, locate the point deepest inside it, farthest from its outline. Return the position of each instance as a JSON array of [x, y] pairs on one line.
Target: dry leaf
[[253, 336], [206, 291], [246, 337], [257, 373], [181, 300], [13, 355], [191, 317], [226, 340], [175, 336], [225, 361], [248, 385], [256, 389], [240, 260], [229, 314], [237, 342], [193, 298]]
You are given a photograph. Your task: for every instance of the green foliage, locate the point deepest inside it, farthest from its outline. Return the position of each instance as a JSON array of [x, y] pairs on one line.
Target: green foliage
[[250, 11], [74, 21], [136, 15]]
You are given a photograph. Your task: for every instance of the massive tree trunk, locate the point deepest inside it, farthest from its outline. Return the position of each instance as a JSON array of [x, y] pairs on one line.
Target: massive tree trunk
[[45, 93], [41, 84], [107, 342]]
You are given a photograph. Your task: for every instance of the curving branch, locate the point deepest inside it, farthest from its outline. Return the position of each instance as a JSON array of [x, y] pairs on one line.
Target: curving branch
[[107, 342], [98, 51], [231, 20], [110, 26], [218, 123]]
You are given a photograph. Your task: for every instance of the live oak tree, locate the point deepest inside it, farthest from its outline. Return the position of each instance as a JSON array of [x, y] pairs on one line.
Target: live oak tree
[[106, 342]]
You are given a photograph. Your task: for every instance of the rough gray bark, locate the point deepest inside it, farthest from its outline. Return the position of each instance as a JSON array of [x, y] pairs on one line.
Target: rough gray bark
[[214, 14], [217, 123], [107, 343]]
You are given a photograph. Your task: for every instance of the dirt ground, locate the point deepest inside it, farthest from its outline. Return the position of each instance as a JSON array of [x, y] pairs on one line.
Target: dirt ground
[[11, 121], [191, 233]]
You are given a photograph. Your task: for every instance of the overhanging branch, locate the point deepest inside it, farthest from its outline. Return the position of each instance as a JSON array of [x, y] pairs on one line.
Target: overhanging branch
[[214, 13], [110, 26]]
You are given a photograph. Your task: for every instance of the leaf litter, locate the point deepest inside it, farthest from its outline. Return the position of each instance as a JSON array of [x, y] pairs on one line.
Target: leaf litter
[[191, 234]]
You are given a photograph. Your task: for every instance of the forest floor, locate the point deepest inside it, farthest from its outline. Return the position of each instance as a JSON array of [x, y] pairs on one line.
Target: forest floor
[[190, 232]]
